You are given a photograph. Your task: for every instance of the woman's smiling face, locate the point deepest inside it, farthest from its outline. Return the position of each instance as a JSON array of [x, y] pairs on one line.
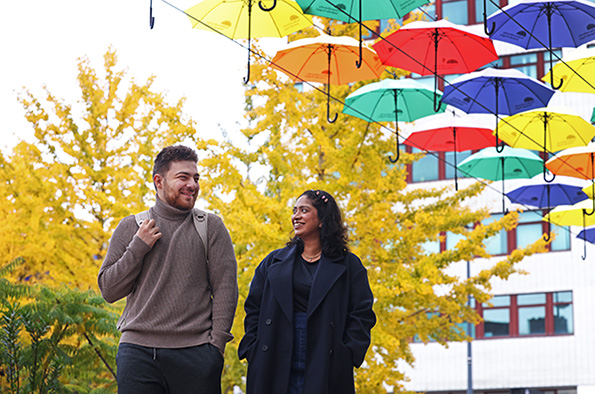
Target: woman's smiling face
[[306, 223]]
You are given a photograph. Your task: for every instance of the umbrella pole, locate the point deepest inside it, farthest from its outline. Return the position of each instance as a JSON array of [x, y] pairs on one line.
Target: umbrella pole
[[549, 224], [549, 12], [584, 256], [398, 152], [499, 147], [592, 187], [151, 17], [504, 211], [436, 39], [454, 135], [247, 79], [328, 87], [545, 122], [358, 63]]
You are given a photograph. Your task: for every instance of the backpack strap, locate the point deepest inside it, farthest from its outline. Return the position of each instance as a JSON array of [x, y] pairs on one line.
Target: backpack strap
[[141, 217]]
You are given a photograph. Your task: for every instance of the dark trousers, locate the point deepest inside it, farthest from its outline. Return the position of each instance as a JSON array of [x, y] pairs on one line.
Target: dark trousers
[[298, 358], [192, 370]]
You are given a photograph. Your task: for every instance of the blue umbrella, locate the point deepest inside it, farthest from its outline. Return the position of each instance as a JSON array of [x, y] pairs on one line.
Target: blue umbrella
[[505, 92], [540, 194], [587, 234], [557, 23]]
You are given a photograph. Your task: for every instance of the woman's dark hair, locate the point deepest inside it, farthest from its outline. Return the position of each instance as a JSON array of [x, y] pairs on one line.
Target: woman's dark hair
[[333, 233]]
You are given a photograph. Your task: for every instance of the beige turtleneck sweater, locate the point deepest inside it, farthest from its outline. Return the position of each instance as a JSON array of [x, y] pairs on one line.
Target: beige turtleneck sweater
[[168, 301]]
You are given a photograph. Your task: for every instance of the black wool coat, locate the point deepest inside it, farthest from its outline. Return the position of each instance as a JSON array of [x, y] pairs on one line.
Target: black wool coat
[[339, 320]]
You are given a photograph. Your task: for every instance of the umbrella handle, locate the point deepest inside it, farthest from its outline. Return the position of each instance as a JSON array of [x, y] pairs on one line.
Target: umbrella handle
[[485, 21], [549, 180], [358, 63], [151, 17], [398, 151], [328, 108], [584, 256], [552, 77], [437, 107], [267, 9]]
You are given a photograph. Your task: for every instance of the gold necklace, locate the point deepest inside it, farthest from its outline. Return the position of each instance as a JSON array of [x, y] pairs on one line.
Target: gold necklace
[[310, 259]]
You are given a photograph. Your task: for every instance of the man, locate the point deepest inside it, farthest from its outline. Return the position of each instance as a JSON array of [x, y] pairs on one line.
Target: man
[[179, 309]]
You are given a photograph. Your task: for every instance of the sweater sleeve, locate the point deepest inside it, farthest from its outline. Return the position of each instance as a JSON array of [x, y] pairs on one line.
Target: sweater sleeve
[[224, 283], [123, 261]]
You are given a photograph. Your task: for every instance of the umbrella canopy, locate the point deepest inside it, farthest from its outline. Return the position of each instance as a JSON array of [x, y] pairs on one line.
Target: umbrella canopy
[[495, 91], [577, 69], [390, 100], [540, 194], [579, 214], [511, 163], [439, 47], [548, 129], [587, 234], [535, 23], [449, 132], [329, 60], [577, 162], [243, 19]]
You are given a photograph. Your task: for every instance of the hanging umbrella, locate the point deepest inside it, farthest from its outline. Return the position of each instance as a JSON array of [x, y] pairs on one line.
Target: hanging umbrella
[[432, 48], [577, 69], [242, 19], [551, 129], [351, 11], [511, 163], [540, 194], [390, 100], [574, 215], [499, 92], [449, 132], [328, 60], [534, 24], [587, 234]]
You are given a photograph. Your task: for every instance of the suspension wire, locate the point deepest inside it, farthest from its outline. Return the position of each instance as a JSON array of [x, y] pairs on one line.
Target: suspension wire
[[488, 185]]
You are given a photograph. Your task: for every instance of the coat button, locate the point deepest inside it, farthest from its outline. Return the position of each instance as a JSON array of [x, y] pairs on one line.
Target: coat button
[[268, 322], [332, 324], [330, 352], [265, 348]]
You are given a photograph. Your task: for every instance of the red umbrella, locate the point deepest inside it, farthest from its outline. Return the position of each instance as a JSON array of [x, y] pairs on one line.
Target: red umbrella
[[449, 132], [432, 48]]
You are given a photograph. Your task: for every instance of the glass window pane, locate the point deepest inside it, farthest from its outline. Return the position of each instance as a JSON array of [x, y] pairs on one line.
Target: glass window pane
[[449, 157], [546, 59], [530, 299], [430, 247], [527, 58], [496, 322], [562, 239], [530, 216], [532, 320], [425, 169], [455, 12], [452, 239], [563, 296], [498, 244], [563, 319], [526, 234], [498, 301], [491, 8]]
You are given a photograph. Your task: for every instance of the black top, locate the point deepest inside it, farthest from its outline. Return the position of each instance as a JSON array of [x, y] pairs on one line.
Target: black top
[[303, 276]]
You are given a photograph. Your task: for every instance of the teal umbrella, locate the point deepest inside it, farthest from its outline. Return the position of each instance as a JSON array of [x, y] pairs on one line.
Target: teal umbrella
[[356, 11], [391, 100], [511, 163]]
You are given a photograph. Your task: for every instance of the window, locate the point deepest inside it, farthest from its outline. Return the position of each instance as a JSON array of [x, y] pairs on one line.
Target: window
[[434, 166], [535, 314]]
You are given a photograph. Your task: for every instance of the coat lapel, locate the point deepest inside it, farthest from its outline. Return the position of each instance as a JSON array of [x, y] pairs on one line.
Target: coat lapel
[[281, 279], [328, 273]]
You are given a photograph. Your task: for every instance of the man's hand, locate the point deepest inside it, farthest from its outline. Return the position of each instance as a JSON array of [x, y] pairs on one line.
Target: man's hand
[[148, 232]]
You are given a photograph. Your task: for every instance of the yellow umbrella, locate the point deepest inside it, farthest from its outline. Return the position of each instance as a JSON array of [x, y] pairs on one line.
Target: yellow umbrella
[[243, 19], [579, 214], [576, 71], [550, 129]]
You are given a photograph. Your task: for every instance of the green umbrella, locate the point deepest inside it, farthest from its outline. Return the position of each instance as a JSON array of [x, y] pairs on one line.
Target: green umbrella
[[391, 100], [512, 163], [593, 116]]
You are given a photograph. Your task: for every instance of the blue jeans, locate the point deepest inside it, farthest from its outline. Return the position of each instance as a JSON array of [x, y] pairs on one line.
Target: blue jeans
[[144, 370], [298, 357]]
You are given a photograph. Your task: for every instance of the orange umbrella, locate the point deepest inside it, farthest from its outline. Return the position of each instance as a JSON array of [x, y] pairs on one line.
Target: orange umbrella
[[329, 60]]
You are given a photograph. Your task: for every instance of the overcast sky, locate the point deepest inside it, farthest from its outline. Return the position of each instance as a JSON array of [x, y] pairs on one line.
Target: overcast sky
[[42, 40]]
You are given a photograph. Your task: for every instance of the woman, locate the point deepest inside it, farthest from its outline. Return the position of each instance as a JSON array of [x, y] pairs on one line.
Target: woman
[[309, 309]]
